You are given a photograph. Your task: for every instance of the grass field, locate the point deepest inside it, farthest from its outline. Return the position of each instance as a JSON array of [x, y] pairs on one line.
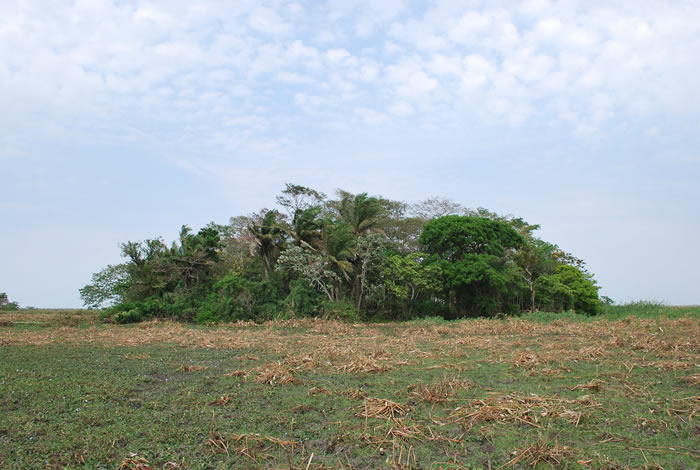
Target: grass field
[[544, 391]]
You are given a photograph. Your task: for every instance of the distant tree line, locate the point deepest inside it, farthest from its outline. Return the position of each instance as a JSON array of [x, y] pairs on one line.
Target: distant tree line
[[5, 304], [355, 256]]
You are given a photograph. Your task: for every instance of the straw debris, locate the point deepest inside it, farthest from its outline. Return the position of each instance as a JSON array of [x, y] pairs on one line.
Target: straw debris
[[519, 409], [134, 462], [594, 385], [275, 374], [541, 452], [381, 408], [439, 392]]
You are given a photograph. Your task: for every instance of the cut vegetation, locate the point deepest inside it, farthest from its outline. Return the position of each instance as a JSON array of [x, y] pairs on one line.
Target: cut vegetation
[[515, 393]]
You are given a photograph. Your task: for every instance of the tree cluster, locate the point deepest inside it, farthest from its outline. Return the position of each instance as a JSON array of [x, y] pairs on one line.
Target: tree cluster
[[6, 305], [356, 256]]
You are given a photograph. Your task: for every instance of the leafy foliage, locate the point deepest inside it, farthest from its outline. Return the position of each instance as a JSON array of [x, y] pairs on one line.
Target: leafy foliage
[[354, 257]]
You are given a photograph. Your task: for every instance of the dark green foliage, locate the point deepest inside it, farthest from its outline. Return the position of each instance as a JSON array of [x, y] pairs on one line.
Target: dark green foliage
[[232, 299], [269, 235], [303, 300], [471, 251], [569, 289], [355, 257], [130, 316], [453, 236]]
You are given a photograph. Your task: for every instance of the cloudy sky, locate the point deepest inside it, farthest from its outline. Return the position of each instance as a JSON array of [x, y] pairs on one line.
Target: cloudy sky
[[122, 120]]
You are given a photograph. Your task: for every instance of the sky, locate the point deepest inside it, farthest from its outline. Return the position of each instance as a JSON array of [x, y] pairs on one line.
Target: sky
[[123, 120]]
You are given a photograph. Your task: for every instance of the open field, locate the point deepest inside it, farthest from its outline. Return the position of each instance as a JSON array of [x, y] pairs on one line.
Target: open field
[[311, 394]]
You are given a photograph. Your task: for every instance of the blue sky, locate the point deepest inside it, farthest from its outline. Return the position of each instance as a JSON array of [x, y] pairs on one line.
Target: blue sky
[[122, 120]]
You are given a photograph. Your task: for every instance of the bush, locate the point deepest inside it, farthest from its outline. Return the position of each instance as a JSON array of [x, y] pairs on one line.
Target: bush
[[303, 300], [130, 316], [343, 311], [236, 298]]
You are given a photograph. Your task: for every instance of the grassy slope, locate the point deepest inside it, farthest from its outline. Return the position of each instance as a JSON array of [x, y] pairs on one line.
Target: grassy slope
[[469, 394]]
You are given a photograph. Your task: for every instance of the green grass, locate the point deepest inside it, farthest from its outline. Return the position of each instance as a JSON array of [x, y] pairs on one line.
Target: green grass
[[77, 404]]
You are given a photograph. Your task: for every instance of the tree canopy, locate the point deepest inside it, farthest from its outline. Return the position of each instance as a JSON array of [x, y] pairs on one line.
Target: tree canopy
[[356, 256]]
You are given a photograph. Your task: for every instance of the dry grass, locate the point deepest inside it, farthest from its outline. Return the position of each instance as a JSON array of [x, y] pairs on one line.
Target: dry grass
[[542, 451], [594, 385], [275, 373], [439, 392], [134, 462], [364, 349], [236, 373], [301, 349], [381, 408], [521, 410]]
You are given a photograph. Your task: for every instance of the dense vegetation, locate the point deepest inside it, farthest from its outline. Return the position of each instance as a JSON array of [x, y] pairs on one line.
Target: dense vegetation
[[356, 257], [5, 304]]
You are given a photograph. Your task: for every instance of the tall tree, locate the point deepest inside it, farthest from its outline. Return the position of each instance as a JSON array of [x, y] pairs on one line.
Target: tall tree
[[434, 207], [362, 212], [472, 254], [306, 227], [107, 287], [269, 236], [339, 245], [295, 198]]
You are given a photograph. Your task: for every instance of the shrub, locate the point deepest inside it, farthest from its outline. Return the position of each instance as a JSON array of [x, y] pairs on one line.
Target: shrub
[[343, 311], [130, 316]]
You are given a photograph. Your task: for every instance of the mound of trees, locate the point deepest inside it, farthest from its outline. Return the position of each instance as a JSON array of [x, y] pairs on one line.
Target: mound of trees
[[355, 256]]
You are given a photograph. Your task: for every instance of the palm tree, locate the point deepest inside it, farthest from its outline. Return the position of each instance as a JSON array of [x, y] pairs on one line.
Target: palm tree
[[306, 227], [361, 212], [269, 238], [339, 247]]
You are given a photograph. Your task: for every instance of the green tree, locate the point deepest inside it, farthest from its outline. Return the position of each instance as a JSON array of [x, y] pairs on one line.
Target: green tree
[[269, 234], [339, 245], [536, 258], [472, 253], [364, 215], [306, 227], [361, 212], [411, 279], [312, 267], [107, 287], [370, 255], [571, 288]]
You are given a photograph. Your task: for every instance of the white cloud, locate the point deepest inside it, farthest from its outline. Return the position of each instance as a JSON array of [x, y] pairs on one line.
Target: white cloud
[[291, 77], [401, 108], [338, 55], [478, 70], [442, 65], [370, 116], [266, 20], [548, 27], [468, 26]]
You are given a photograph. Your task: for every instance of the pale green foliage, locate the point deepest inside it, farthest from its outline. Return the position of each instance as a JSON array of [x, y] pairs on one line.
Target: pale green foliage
[[409, 277], [312, 267], [107, 286]]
